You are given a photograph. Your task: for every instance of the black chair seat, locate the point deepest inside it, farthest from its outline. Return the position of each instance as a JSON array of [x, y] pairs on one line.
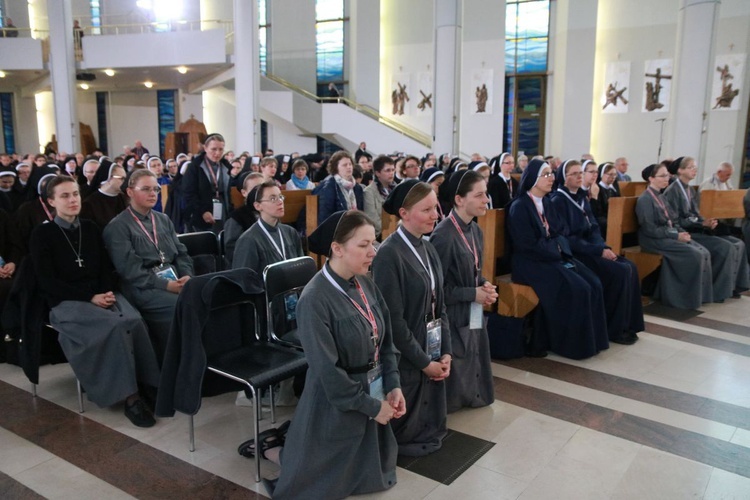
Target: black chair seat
[[260, 364]]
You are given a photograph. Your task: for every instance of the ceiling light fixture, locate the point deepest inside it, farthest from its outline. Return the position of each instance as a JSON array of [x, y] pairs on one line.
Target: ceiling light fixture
[[2, 74], [109, 72], [148, 85], [85, 86], [182, 70]]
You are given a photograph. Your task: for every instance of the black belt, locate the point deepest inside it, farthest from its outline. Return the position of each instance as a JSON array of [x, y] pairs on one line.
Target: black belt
[[361, 369]]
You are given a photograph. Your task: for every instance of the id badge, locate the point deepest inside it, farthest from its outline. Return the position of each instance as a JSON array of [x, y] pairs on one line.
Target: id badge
[[375, 383], [290, 306], [218, 209], [434, 339], [166, 272], [476, 316]]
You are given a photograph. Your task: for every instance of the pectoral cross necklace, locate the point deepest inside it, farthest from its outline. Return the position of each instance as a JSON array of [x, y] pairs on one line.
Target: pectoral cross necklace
[[78, 258]]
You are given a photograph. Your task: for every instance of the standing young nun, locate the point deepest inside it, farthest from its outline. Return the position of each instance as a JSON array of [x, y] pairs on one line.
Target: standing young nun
[[571, 320], [408, 268], [459, 242]]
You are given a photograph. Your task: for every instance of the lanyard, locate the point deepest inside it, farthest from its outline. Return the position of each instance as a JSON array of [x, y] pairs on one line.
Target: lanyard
[[427, 267], [474, 253], [579, 206], [282, 250], [369, 316], [661, 204], [685, 192], [213, 177], [509, 184], [155, 239], [541, 216], [46, 210]]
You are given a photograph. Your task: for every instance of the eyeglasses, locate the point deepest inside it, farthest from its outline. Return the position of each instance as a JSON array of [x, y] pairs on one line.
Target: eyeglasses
[[547, 175], [273, 199], [661, 176], [574, 174], [146, 189], [119, 177], [590, 172]]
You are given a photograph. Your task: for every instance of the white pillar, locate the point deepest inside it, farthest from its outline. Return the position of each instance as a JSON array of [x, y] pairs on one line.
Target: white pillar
[[447, 69], [363, 52], [571, 84], [63, 74], [246, 75], [691, 79]]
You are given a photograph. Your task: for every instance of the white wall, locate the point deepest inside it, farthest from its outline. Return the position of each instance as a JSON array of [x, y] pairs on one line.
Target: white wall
[[133, 116], [635, 31], [285, 138], [45, 117], [189, 104], [20, 53], [407, 49], [219, 114], [483, 49]]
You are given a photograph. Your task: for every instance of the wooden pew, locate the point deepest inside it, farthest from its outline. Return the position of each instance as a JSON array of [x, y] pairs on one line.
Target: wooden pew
[[311, 222], [621, 220], [294, 202], [722, 204], [514, 300], [164, 196], [389, 224], [633, 188], [237, 199]]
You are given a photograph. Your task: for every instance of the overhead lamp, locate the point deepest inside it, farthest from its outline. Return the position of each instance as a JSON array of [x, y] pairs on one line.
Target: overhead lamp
[[109, 72], [148, 85], [182, 69], [2, 74], [85, 86]]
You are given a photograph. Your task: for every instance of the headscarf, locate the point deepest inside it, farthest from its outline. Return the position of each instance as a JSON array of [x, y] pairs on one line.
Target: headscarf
[[497, 167], [396, 198], [647, 172], [560, 174], [530, 176], [600, 170], [319, 241], [104, 172], [675, 165], [430, 174], [36, 180]]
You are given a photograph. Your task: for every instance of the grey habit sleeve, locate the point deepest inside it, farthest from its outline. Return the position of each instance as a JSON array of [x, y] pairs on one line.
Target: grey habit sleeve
[[652, 220]]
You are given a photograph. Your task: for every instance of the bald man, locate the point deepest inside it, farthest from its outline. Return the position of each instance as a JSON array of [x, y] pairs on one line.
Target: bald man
[[720, 180]]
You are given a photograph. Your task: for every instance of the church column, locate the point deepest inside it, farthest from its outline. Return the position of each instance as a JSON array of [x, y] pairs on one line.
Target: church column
[[447, 68], [363, 52], [691, 79], [63, 74], [246, 76]]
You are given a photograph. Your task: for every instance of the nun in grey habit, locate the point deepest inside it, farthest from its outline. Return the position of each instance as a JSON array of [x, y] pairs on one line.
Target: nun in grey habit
[[685, 277], [728, 254]]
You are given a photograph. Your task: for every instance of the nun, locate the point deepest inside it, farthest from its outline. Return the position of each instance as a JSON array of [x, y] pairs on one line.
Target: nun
[[107, 200], [570, 320], [502, 188], [728, 254], [606, 182], [459, 243], [435, 178], [685, 276], [35, 210], [241, 218], [619, 276], [340, 442], [8, 179], [409, 268]]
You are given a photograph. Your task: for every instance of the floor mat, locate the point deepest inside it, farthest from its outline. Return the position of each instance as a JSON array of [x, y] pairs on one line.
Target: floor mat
[[458, 453]]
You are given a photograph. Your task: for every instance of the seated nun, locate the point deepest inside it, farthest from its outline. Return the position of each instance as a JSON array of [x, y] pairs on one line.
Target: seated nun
[[607, 189], [102, 335], [241, 218], [35, 210], [107, 200]]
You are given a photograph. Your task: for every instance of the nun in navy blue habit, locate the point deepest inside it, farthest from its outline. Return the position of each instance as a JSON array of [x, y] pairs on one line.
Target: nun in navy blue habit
[[571, 320], [619, 276]]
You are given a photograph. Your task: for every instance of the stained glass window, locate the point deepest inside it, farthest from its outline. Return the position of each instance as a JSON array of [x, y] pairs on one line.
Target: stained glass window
[[165, 100], [96, 17], [263, 35], [329, 40], [526, 36], [6, 121]]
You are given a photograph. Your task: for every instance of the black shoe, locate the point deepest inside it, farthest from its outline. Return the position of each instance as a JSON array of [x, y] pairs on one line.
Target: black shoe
[[148, 395], [270, 485], [624, 339], [138, 414], [736, 294]]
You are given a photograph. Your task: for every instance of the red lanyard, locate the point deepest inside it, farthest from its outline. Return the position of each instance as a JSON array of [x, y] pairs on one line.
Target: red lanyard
[[474, 252], [541, 216], [213, 178], [368, 315], [661, 204], [155, 238], [46, 210]]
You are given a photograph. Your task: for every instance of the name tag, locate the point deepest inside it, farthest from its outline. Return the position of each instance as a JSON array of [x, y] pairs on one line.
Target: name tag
[[434, 339], [476, 316], [218, 209], [166, 272], [375, 383]]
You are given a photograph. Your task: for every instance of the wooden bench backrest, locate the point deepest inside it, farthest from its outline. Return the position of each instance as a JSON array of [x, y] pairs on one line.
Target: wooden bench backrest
[[621, 219], [311, 223], [294, 202], [389, 224], [237, 199], [492, 225], [723, 204], [633, 188], [164, 196]]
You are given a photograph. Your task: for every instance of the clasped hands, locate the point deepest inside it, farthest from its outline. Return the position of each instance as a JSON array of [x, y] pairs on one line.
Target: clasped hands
[[486, 294], [394, 406]]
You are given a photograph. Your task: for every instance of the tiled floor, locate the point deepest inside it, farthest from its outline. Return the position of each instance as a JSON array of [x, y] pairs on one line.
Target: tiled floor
[[666, 418]]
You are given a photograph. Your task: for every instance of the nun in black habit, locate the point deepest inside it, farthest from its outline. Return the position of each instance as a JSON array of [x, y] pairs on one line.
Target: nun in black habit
[[35, 210], [459, 242], [618, 275], [106, 199], [408, 268], [501, 187], [570, 320], [608, 188]]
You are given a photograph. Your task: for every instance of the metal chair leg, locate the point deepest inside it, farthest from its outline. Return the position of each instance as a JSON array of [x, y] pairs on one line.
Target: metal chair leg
[[273, 405], [191, 426], [80, 397], [33, 390], [256, 427]]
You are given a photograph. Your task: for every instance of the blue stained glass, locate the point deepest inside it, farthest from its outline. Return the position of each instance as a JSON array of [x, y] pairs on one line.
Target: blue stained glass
[[528, 136], [510, 99], [532, 55], [101, 120], [510, 57], [526, 32], [533, 19], [263, 50], [329, 41], [6, 120], [511, 20], [165, 105]]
